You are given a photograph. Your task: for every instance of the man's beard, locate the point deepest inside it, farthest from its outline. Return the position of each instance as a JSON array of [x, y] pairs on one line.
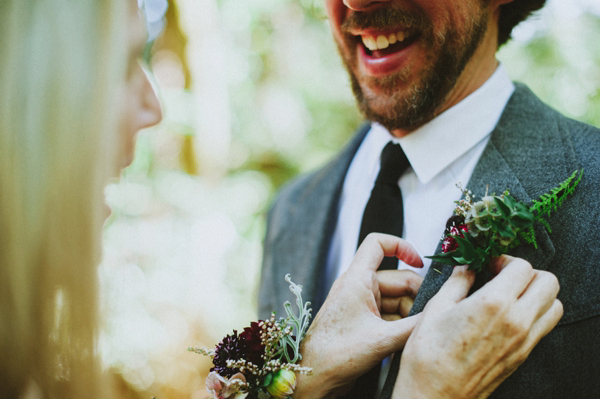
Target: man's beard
[[444, 66]]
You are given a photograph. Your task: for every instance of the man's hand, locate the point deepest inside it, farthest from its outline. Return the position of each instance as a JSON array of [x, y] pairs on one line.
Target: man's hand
[[396, 300], [348, 336], [464, 348]]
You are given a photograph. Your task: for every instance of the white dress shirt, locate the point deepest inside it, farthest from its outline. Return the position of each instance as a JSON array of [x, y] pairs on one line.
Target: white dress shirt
[[442, 153]]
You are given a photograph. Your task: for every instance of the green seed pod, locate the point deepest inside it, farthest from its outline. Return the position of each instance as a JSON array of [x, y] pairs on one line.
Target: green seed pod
[[283, 384]]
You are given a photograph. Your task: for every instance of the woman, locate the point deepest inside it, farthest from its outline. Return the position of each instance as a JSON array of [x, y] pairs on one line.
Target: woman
[[73, 97], [65, 74]]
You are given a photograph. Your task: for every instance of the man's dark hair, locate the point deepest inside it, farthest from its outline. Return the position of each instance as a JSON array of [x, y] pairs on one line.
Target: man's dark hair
[[511, 14]]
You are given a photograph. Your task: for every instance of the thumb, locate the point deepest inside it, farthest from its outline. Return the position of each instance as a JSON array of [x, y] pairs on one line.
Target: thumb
[[398, 331], [454, 290]]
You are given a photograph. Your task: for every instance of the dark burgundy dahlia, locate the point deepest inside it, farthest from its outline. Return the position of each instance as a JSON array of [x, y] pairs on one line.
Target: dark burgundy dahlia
[[254, 346], [247, 346]]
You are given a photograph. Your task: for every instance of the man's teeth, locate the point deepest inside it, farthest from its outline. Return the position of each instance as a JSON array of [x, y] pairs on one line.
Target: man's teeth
[[380, 42]]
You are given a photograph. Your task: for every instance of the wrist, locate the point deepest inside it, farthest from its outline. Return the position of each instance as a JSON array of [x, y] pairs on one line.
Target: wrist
[[410, 383], [309, 387], [320, 384]]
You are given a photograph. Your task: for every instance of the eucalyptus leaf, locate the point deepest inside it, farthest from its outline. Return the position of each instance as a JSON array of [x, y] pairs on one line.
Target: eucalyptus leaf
[[510, 201], [521, 207], [502, 207], [506, 231], [519, 222], [471, 240], [525, 215], [466, 247], [483, 255], [445, 259], [476, 267], [496, 224], [462, 261]]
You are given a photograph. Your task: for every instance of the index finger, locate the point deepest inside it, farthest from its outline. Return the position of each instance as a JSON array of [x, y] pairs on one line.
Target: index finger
[[377, 245]]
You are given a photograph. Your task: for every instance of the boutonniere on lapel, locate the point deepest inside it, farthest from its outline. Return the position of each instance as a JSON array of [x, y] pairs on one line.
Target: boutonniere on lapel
[[260, 362], [481, 230]]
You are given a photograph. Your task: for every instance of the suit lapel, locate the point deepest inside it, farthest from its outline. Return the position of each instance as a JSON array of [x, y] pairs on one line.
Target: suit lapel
[[530, 152], [529, 157], [315, 214]]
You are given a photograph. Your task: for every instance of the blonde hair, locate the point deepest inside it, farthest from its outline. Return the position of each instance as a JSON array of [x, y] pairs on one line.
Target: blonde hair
[[60, 65]]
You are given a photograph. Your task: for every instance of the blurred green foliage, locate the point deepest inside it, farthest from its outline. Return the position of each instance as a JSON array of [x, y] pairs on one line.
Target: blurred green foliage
[[290, 52], [254, 93], [295, 109]]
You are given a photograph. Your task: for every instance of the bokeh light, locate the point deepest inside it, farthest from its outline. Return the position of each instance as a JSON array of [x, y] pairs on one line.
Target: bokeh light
[[254, 93]]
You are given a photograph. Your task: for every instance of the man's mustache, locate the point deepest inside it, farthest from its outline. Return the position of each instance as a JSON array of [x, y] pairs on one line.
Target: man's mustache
[[387, 18]]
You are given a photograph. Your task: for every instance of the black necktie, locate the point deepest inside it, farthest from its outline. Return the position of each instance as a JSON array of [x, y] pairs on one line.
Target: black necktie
[[383, 214]]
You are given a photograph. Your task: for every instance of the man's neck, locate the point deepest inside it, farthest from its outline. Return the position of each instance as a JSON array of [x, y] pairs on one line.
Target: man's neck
[[459, 92]]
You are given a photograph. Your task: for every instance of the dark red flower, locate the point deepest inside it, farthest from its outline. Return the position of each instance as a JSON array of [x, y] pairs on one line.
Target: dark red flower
[[231, 348], [450, 244], [246, 346], [254, 346]]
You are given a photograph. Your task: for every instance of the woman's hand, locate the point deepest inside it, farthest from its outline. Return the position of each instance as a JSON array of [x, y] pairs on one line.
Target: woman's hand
[[362, 320], [464, 348]]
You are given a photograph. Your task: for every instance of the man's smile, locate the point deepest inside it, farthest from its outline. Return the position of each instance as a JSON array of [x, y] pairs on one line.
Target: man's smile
[[405, 58], [385, 41], [390, 41], [382, 52]]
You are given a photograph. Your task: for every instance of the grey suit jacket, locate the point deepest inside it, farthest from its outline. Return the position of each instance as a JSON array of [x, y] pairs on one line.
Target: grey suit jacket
[[532, 149]]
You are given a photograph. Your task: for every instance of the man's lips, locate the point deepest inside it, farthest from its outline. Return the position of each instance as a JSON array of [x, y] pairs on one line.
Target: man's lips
[[382, 53]]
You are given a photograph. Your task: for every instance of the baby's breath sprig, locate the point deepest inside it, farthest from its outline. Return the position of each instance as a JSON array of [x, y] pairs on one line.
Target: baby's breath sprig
[[271, 335], [202, 351]]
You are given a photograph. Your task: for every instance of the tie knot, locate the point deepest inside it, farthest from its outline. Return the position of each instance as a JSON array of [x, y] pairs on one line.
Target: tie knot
[[393, 164]]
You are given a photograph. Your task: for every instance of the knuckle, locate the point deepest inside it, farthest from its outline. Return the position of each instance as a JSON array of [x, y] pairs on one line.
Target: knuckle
[[493, 305], [515, 329], [371, 237], [523, 266], [560, 310], [549, 280]]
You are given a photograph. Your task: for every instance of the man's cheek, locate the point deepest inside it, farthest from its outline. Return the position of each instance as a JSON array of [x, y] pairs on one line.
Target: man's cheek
[[336, 12]]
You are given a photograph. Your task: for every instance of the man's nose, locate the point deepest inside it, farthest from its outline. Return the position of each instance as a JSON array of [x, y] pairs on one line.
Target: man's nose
[[365, 5]]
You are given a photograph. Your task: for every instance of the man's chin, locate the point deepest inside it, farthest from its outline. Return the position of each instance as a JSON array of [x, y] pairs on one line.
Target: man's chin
[[393, 109], [391, 85]]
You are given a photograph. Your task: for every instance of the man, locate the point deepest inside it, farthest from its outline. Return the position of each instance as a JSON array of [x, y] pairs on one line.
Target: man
[[425, 74]]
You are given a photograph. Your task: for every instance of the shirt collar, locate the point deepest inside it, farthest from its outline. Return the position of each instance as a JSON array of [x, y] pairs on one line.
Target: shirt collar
[[437, 144]]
